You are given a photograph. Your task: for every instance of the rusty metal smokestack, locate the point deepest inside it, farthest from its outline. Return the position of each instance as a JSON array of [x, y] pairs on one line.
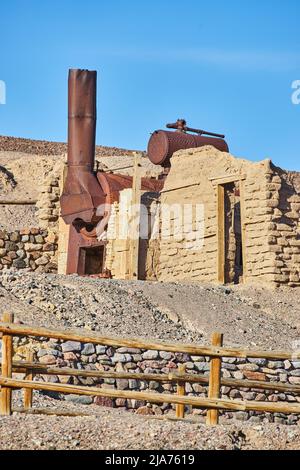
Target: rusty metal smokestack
[[82, 193]]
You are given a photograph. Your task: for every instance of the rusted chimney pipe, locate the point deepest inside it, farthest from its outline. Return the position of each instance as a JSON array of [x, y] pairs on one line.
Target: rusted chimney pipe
[[82, 193]]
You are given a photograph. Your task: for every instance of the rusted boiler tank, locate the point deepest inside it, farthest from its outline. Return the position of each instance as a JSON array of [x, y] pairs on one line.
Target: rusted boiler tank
[[163, 144], [87, 194]]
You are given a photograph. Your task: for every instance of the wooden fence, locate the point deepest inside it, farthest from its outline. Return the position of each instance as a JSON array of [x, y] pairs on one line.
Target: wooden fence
[[213, 403]]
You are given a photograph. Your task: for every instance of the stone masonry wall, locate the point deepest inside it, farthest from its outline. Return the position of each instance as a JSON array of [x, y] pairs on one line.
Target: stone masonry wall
[[284, 228], [34, 249], [48, 202], [104, 358]]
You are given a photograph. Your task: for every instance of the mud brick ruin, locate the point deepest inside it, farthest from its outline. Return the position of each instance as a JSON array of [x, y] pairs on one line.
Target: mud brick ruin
[[205, 214], [187, 210]]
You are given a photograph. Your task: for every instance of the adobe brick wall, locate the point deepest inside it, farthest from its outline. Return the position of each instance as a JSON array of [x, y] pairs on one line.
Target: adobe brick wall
[[271, 218]]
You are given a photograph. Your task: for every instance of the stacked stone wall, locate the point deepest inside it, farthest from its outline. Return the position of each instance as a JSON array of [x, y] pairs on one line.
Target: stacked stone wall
[[31, 248], [104, 358], [284, 228], [48, 202]]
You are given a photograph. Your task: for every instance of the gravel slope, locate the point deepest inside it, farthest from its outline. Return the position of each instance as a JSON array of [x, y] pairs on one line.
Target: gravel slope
[[43, 147], [109, 429], [180, 312], [184, 312], [107, 306]]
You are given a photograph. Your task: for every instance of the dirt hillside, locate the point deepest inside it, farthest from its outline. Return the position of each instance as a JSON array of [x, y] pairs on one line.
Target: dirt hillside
[[247, 316]]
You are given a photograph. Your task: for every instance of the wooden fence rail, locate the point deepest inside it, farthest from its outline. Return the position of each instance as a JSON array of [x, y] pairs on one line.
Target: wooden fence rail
[[211, 351], [213, 403], [37, 368], [220, 404]]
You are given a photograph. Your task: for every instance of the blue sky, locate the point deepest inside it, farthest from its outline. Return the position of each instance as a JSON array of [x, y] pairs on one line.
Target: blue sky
[[225, 66]]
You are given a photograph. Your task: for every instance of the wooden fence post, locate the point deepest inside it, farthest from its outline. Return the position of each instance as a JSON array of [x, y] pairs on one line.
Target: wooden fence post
[[212, 417], [28, 392], [6, 372], [180, 392], [135, 218]]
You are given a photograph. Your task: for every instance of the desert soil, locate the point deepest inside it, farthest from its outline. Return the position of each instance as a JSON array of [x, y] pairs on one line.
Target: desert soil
[[179, 312], [106, 428], [247, 316]]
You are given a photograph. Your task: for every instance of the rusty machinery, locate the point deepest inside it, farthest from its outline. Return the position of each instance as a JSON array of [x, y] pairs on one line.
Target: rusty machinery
[[163, 144], [88, 194]]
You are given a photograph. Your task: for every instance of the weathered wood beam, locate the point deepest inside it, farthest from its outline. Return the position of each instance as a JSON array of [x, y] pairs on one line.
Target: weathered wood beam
[[221, 404], [212, 351]]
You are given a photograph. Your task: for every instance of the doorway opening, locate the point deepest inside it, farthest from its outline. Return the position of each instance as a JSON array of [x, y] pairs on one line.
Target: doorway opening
[[91, 260], [230, 234]]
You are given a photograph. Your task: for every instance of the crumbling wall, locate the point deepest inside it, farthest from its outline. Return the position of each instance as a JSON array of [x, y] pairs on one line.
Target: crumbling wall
[[185, 253], [284, 228], [153, 248], [33, 246], [117, 247], [125, 223], [48, 200]]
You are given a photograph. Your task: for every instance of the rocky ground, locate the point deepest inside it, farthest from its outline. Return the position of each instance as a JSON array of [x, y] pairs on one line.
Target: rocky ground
[[247, 316], [42, 147], [107, 306], [106, 428]]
